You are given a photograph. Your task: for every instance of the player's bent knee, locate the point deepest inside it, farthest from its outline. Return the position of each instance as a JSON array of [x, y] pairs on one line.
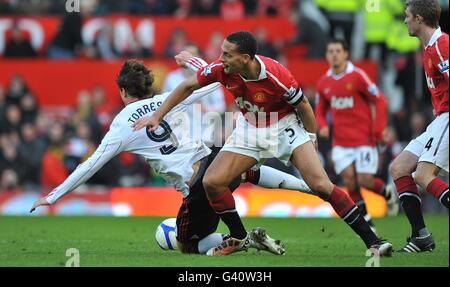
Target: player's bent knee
[[323, 188], [396, 170], [422, 178], [213, 184]]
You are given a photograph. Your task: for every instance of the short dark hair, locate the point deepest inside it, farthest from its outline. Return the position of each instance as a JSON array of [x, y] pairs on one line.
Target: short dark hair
[[136, 79], [430, 10], [245, 42], [339, 41]]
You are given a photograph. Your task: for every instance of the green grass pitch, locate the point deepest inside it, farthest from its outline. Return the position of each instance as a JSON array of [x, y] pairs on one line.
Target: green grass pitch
[[129, 241]]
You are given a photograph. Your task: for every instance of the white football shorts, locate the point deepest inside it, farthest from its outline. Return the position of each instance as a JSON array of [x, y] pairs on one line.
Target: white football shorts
[[364, 157], [277, 140], [432, 145]]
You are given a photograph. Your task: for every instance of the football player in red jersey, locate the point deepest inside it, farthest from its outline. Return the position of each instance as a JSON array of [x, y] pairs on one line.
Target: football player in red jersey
[[271, 101], [358, 110], [427, 154]]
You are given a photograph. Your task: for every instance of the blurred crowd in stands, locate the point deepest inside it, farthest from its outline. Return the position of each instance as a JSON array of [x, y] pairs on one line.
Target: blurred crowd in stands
[[38, 149], [234, 9], [41, 148]]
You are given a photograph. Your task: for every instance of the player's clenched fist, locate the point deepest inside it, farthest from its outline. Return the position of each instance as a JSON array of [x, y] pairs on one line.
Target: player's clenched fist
[[182, 58]]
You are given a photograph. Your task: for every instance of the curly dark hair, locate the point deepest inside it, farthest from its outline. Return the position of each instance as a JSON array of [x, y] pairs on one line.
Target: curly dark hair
[[136, 79]]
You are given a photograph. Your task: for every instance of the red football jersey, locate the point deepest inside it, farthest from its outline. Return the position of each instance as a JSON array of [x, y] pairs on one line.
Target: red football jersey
[[275, 90], [348, 97], [435, 63]]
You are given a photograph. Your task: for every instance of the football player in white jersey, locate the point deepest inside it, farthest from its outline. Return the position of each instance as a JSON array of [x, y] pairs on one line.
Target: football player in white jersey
[[177, 155]]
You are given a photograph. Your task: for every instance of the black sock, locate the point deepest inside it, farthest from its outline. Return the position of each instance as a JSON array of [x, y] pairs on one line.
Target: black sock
[[413, 209], [356, 221], [363, 210], [444, 198], [234, 223], [362, 207]]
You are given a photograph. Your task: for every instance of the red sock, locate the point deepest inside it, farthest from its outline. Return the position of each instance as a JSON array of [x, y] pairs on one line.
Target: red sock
[[378, 185], [341, 201], [436, 187], [406, 184], [223, 202]]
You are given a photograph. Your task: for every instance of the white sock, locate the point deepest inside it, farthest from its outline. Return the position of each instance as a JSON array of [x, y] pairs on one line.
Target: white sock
[[210, 241], [273, 178]]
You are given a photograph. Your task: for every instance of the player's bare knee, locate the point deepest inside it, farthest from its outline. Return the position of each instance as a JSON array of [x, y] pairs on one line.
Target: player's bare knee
[[423, 177], [211, 184], [397, 170], [322, 188]]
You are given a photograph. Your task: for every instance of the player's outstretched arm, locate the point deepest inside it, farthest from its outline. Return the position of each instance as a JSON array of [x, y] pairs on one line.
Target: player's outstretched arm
[[181, 92], [40, 202], [111, 146]]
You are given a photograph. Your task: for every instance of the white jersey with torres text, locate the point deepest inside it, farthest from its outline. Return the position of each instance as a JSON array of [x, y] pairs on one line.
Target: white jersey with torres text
[[170, 150]]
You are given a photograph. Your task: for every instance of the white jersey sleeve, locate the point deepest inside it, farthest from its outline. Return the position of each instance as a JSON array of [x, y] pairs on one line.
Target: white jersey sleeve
[[111, 145], [200, 93]]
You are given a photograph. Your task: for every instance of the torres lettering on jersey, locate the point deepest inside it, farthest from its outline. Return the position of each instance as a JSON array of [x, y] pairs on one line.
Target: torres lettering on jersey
[[144, 110], [340, 103]]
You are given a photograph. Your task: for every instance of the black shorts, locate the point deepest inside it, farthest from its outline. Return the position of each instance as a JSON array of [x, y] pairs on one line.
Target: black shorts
[[196, 218]]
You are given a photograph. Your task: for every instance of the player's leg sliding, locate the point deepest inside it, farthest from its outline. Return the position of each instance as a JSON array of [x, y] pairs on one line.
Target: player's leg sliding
[[421, 239], [210, 241], [257, 239], [240, 239], [349, 212], [269, 177]]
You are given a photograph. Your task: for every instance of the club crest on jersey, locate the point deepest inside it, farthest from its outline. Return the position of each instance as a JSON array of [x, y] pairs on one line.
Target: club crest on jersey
[[259, 97], [349, 86], [443, 66]]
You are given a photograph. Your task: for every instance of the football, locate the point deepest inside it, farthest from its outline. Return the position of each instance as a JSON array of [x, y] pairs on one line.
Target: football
[[166, 234]]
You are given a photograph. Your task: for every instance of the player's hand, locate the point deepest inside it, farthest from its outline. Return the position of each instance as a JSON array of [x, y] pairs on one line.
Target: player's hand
[[152, 122], [40, 202], [182, 58], [324, 132]]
